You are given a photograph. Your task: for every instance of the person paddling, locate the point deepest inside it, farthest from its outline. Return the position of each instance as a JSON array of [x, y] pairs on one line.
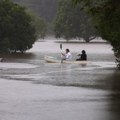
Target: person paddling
[[83, 56], [67, 55]]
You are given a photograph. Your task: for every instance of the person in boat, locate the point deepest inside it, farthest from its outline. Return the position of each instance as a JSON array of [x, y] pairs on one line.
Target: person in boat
[[82, 57], [67, 55]]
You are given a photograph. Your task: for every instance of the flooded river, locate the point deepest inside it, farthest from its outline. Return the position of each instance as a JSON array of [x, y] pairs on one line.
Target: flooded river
[[31, 89]]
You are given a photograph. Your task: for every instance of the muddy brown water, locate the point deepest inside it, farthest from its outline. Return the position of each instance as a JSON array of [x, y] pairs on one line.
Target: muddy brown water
[[60, 91]]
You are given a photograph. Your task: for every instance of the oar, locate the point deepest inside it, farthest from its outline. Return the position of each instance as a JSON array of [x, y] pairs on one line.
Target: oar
[[61, 46], [61, 51]]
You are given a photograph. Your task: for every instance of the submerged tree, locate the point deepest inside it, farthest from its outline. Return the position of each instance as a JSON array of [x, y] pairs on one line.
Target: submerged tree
[[106, 15], [16, 30], [71, 22]]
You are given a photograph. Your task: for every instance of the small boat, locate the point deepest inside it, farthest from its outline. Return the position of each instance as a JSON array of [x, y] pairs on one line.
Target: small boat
[[50, 59]]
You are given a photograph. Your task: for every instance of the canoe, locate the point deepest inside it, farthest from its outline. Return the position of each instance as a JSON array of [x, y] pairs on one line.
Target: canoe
[[50, 59]]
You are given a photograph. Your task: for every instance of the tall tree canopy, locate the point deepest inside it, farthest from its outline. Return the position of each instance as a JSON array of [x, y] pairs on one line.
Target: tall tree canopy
[[39, 23], [71, 22], [16, 30], [44, 8], [106, 15]]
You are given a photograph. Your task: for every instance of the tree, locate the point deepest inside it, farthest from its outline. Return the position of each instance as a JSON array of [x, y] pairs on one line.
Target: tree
[[39, 24], [106, 15], [71, 22], [16, 30], [44, 8]]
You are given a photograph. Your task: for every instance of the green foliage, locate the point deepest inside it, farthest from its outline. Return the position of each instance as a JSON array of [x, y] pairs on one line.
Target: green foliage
[[71, 22], [16, 30], [39, 24], [106, 15], [108, 23], [44, 8]]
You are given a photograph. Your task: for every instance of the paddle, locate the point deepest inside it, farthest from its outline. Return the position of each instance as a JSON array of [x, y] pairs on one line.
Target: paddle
[[61, 46], [61, 52]]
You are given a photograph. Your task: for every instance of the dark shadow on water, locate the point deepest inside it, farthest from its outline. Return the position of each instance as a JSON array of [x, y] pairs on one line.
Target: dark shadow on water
[[82, 42], [114, 101], [15, 57]]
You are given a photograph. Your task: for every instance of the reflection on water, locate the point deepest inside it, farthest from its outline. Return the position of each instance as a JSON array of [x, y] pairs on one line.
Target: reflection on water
[[89, 92]]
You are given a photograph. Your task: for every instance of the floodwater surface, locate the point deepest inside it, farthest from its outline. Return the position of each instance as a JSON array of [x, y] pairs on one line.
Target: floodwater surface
[[31, 89]]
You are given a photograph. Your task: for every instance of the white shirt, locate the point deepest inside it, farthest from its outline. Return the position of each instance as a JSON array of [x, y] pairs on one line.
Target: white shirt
[[68, 56]]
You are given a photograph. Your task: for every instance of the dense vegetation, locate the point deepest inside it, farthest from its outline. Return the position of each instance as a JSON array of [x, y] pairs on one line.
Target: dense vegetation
[[39, 23], [106, 15], [71, 22], [46, 9], [16, 30]]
